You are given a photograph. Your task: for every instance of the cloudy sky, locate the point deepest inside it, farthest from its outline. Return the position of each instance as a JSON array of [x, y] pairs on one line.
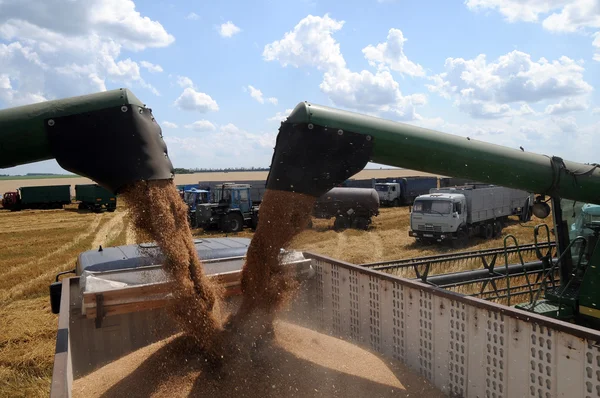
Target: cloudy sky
[[220, 76]]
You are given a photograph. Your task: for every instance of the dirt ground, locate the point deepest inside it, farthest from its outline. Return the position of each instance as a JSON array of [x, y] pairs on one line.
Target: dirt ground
[[36, 245]]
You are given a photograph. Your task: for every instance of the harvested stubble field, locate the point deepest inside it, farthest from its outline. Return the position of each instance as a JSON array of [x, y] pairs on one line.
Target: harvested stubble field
[[35, 245]]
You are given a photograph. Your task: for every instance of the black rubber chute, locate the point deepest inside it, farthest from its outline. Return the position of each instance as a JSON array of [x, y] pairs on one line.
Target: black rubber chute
[[311, 159], [115, 146]]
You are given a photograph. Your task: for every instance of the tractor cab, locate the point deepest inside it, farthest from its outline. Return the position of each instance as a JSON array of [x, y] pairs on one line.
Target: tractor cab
[[10, 200], [234, 196], [194, 196]]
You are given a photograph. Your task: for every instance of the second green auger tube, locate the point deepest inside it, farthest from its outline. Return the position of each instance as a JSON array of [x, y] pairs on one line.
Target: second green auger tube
[[322, 130]]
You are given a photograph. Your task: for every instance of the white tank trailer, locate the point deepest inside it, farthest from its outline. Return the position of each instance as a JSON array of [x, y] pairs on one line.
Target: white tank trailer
[[351, 207]]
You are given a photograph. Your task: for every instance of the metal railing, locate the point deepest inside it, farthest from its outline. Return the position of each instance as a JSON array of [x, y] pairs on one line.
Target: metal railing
[[465, 346]]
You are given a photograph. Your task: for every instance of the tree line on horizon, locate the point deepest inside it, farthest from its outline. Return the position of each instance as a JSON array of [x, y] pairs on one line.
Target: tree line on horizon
[[181, 170]]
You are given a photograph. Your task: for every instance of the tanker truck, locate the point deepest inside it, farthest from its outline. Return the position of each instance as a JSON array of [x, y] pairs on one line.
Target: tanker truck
[[351, 207]]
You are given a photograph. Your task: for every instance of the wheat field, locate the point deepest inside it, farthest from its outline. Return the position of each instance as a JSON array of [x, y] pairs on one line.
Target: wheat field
[[36, 245]]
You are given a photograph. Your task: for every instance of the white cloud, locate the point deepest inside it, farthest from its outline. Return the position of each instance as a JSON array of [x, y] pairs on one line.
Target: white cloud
[[281, 116], [567, 124], [201, 126], [193, 16], [169, 125], [391, 55], [567, 15], [485, 89], [596, 44], [185, 81], [565, 106], [228, 146], [258, 95], [50, 57], [151, 67], [311, 44], [228, 29], [596, 111], [560, 136], [574, 16], [370, 92], [518, 10], [192, 100]]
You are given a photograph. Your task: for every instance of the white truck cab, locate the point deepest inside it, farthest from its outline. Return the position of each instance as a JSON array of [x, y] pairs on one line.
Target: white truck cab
[[389, 193], [437, 216]]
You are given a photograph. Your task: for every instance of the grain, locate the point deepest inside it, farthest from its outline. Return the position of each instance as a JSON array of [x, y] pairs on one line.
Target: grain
[[157, 211], [266, 285], [299, 363]]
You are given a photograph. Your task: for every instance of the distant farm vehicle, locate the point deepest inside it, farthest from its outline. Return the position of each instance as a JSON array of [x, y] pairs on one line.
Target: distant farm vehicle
[[192, 198], [95, 198], [403, 191], [42, 197], [457, 214], [231, 209], [351, 207], [186, 187]]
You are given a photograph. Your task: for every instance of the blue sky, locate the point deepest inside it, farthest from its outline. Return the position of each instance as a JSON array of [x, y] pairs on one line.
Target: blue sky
[[219, 76]]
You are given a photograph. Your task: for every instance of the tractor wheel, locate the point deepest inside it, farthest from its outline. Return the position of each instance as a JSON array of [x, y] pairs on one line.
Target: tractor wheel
[[396, 203], [341, 223], [254, 221], [461, 241], [112, 209], [233, 222]]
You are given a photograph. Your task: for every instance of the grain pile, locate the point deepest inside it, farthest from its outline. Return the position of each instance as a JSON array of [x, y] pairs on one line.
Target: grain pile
[[298, 363], [158, 212]]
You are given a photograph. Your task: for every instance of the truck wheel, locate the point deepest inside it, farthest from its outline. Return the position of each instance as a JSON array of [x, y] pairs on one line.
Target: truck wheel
[[341, 223], [489, 231], [362, 223], [461, 241], [396, 203], [233, 222], [497, 229], [525, 215]]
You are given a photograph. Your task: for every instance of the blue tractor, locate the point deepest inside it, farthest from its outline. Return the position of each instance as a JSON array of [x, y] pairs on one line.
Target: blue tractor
[[192, 198], [230, 209]]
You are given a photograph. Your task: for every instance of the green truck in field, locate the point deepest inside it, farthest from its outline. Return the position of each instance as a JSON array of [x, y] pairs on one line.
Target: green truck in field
[[44, 197], [95, 198]]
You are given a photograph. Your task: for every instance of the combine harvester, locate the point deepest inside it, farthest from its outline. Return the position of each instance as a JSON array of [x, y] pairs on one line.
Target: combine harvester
[[548, 346]]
